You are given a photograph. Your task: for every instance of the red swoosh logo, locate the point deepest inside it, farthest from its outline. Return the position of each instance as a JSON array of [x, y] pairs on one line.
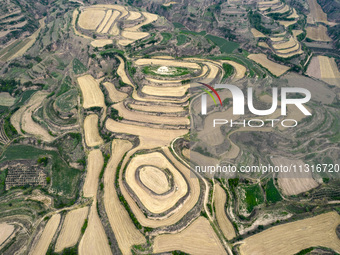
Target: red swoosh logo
[[213, 90]]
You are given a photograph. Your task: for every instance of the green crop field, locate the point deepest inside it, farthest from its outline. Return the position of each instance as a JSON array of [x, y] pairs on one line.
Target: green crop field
[[166, 37], [67, 101], [181, 39], [254, 196], [272, 194], [224, 45], [78, 67]]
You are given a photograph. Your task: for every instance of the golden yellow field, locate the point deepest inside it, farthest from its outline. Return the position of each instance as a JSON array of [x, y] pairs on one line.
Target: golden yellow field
[[199, 238], [263, 45], [94, 240], [154, 179], [112, 20], [95, 164], [71, 229], [149, 18], [45, 239], [286, 23], [222, 219], [92, 136], [92, 95], [141, 117], [114, 94], [256, 33], [134, 15], [104, 21], [284, 45], [177, 91], [120, 221], [318, 33], [101, 42], [273, 67], [134, 35], [6, 231], [150, 137], [188, 204], [90, 18], [156, 108], [291, 238], [155, 204], [6, 99]]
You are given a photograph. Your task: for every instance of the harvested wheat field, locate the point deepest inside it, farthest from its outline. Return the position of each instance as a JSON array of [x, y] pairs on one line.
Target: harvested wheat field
[[71, 229], [291, 238], [140, 117], [120, 221], [92, 136], [157, 108], [166, 62], [101, 43], [154, 179], [111, 21], [181, 211], [318, 33], [155, 204], [6, 231], [47, 235], [149, 137], [6, 99], [134, 15], [222, 219], [105, 20], [92, 95], [90, 18], [95, 164], [166, 91], [132, 35], [329, 70], [294, 183], [94, 240], [256, 33], [114, 94], [199, 238], [149, 18], [263, 45], [125, 42], [285, 45], [273, 67], [316, 12], [121, 72], [286, 23]]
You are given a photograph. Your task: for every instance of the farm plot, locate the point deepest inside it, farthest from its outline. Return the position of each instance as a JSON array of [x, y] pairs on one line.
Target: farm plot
[[318, 33], [92, 136], [291, 238], [257, 34], [165, 91], [132, 35], [134, 15], [294, 183], [114, 94], [90, 18], [316, 12], [240, 69], [188, 204], [71, 229], [149, 18], [155, 204], [111, 21], [6, 99], [6, 231], [157, 108], [105, 20], [167, 62], [285, 45], [92, 94], [154, 179], [329, 70], [272, 67], [149, 137], [198, 238], [222, 219], [94, 240], [140, 117], [101, 43], [45, 239], [120, 221], [95, 164]]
